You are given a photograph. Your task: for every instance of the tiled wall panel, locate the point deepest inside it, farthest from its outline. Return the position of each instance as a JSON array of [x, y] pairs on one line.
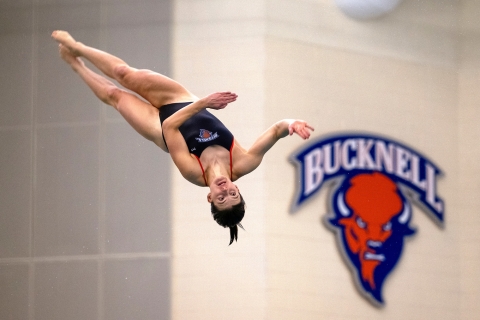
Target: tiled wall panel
[[67, 212]]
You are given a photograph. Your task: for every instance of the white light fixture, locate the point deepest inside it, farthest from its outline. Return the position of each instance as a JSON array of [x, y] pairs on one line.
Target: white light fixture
[[367, 9]]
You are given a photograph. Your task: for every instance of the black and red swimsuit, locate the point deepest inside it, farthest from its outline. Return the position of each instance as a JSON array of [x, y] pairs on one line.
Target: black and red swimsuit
[[200, 131]]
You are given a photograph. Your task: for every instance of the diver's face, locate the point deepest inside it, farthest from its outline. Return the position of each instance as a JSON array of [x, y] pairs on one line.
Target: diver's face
[[223, 193]]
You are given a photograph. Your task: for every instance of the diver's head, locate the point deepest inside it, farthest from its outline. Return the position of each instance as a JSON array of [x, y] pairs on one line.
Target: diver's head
[[227, 205]]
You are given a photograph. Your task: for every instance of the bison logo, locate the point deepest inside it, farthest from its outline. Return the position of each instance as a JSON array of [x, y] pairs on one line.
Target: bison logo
[[371, 219], [376, 182]]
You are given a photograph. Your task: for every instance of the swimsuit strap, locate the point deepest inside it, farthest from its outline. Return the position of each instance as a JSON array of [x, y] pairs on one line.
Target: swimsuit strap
[[201, 167], [231, 162]]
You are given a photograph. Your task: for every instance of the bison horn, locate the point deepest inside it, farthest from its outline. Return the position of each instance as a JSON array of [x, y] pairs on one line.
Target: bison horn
[[405, 215], [342, 207]]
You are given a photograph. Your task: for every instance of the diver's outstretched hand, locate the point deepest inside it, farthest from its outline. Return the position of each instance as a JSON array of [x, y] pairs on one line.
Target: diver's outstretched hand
[[219, 100], [300, 127]]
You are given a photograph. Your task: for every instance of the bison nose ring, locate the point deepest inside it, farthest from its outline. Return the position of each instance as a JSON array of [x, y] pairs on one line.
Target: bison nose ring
[[374, 244]]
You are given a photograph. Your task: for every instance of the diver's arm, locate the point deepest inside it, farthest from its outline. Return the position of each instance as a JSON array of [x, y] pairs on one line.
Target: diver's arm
[[216, 101], [178, 149], [278, 131], [251, 159]]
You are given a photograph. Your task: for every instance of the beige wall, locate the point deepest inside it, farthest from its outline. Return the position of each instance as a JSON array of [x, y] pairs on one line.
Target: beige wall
[[410, 76], [469, 168], [219, 45]]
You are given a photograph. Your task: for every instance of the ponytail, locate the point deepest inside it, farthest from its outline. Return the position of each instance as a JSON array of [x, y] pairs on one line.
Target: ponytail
[[234, 232]]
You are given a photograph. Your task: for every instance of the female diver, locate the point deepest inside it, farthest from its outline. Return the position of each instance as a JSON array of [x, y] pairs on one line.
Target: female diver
[[202, 148]]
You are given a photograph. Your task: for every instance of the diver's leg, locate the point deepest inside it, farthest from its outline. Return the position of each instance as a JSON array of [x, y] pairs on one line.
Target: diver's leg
[[142, 116], [154, 87]]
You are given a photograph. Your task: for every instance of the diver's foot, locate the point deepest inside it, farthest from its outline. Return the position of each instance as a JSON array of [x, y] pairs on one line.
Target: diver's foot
[[69, 57], [64, 38]]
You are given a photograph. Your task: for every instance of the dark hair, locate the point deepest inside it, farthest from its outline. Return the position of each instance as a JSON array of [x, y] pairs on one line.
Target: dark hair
[[230, 217]]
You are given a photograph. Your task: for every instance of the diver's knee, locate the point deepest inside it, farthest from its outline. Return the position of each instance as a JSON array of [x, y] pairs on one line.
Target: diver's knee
[[113, 95], [121, 71]]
